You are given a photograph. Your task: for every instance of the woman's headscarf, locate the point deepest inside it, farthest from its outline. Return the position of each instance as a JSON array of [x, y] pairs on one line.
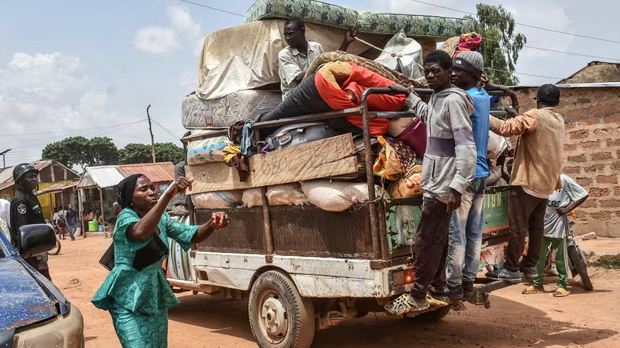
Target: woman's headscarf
[[125, 190]]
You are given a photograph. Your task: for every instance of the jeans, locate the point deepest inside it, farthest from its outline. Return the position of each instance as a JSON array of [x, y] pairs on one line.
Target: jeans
[[465, 238], [559, 246], [431, 248], [72, 229], [527, 216]]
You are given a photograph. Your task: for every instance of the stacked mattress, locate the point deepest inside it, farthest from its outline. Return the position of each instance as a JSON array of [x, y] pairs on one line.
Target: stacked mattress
[[224, 111], [415, 26]]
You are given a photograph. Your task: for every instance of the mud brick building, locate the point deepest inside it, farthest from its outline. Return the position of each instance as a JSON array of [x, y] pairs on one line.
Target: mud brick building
[[591, 149]]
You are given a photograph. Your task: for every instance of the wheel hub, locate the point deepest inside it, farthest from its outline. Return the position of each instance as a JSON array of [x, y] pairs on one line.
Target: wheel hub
[[273, 318]]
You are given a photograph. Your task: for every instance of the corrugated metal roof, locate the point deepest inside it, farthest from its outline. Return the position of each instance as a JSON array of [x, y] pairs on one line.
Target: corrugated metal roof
[[162, 172], [103, 176], [57, 188], [6, 176]]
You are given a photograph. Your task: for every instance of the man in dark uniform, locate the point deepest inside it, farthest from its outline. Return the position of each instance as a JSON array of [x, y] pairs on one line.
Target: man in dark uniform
[[26, 210]]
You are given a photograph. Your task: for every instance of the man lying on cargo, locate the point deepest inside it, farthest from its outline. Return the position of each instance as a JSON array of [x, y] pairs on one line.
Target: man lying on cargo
[[447, 171], [294, 60]]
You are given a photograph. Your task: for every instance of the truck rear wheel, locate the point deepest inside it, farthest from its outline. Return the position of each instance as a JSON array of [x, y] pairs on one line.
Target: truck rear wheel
[[279, 316]]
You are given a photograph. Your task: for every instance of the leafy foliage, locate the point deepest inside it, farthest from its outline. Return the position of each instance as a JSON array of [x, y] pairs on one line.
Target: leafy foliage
[[501, 45], [141, 153], [79, 151]]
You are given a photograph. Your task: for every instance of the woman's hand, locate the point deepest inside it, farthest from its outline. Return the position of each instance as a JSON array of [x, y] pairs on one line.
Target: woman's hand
[[219, 220], [180, 185]]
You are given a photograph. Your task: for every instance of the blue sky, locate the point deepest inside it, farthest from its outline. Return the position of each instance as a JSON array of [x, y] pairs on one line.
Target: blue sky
[[91, 67]]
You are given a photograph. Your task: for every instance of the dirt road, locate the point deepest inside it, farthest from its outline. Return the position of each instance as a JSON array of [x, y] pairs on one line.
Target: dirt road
[[583, 319]]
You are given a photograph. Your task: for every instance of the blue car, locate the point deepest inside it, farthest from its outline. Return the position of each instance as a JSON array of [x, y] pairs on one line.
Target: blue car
[[33, 312]]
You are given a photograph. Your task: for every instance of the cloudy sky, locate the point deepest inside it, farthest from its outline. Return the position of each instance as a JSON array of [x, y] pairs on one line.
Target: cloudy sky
[[90, 68]]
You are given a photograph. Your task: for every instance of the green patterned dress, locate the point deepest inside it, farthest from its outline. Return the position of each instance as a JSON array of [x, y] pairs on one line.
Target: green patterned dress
[[139, 300]]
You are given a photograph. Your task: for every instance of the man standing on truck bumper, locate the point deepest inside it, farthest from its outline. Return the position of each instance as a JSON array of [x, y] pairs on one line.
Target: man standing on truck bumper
[[535, 176], [448, 169], [465, 236]]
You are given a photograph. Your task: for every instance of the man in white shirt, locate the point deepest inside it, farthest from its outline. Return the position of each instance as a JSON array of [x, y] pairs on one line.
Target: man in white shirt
[[294, 60], [559, 204], [5, 218]]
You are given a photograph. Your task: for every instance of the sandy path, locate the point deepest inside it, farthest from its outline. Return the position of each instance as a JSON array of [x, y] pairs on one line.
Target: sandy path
[[583, 319]]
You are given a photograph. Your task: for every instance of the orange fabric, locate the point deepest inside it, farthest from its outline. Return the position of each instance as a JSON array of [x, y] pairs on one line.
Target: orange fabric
[[360, 80]]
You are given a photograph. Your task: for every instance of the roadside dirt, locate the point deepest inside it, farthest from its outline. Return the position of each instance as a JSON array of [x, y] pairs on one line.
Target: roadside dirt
[[583, 319]]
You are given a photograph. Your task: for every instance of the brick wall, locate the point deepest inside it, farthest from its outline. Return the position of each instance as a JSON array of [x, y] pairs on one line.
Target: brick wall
[[591, 152]]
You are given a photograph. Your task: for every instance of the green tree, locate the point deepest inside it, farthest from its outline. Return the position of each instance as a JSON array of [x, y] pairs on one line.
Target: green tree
[[82, 152], [168, 152], [141, 153], [135, 153], [501, 45]]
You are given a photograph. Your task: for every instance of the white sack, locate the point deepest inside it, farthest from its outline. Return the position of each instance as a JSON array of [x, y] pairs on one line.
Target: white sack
[[217, 200], [337, 195]]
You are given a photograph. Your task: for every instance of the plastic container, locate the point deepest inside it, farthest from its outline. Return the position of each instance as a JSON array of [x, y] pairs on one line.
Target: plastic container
[[100, 228], [93, 226]]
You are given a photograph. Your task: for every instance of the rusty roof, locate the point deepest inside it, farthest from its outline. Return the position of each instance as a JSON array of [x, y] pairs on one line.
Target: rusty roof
[[161, 172], [6, 175], [57, 188]]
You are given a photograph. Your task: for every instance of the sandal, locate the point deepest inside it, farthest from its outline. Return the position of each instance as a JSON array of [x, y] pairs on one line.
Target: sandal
[[405, 303], [561, 292], [533, 290]]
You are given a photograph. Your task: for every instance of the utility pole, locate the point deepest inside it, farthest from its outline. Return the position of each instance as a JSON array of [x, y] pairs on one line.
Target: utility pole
[[3, 153], [151, 131]]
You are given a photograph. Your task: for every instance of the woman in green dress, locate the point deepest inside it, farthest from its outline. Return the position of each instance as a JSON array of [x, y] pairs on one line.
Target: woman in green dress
[[138, 300]]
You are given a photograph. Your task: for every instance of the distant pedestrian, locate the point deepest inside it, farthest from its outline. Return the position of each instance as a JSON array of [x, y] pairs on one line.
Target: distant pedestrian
[[72, 221], [559, 204], [61, 223]]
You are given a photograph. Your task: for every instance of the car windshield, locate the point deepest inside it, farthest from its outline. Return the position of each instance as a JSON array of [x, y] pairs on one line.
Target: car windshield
[[3, 251]]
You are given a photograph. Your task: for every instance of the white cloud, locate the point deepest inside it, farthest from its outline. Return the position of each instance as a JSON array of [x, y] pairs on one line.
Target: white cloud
[[156, 40], [163, 41], [182, 21], [48, 92], [188, 80]]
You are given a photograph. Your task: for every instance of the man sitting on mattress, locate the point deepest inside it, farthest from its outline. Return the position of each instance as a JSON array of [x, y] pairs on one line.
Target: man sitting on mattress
[[293, 61]]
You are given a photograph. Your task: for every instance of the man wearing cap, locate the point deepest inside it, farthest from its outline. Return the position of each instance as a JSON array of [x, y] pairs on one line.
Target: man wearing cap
[[465, 238], [26, 210], [535, 176]]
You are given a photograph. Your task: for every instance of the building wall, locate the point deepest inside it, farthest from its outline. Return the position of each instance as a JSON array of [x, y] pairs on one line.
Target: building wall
[[591, 152]]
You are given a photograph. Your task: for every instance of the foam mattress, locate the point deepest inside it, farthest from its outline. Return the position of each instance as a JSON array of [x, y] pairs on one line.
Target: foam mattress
[[311, 11], [223, 112]]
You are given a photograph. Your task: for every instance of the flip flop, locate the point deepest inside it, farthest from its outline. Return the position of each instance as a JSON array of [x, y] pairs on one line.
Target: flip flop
[[561, 292], [405, 304], [533, 290]]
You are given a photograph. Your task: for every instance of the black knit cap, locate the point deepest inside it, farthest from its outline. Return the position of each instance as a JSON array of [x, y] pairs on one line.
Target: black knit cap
[[548, 94]]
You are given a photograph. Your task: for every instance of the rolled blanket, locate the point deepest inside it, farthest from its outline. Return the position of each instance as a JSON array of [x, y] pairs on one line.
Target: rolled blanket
[[373, 66]]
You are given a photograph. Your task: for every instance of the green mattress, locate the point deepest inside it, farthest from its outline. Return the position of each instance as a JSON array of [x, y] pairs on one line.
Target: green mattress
[[415, 26]]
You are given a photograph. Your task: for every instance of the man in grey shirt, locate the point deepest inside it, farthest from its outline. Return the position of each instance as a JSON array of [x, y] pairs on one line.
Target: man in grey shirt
[[294, 60], [559, 204]]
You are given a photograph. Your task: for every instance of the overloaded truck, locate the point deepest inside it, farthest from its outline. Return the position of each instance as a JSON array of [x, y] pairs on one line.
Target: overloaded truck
[[288, 251]]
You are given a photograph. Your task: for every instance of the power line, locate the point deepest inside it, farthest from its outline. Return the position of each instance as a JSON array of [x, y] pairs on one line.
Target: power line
[[522, 24], [571, 53], [213, 8], [526, 74], [166, 129], [67, 130]]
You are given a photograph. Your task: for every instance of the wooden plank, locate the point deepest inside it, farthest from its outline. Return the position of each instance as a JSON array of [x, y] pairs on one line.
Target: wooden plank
[[314, 160]]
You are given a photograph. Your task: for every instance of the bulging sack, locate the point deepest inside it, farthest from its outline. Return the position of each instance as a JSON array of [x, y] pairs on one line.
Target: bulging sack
[[218, 199], [206, 150], [337, 195]]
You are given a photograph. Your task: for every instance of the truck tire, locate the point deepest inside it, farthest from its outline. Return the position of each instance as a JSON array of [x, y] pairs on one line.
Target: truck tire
[[279, 316], [432, 316], [579, 263]]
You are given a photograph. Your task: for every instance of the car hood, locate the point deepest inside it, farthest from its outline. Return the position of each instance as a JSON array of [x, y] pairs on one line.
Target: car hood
[[23, 300]]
